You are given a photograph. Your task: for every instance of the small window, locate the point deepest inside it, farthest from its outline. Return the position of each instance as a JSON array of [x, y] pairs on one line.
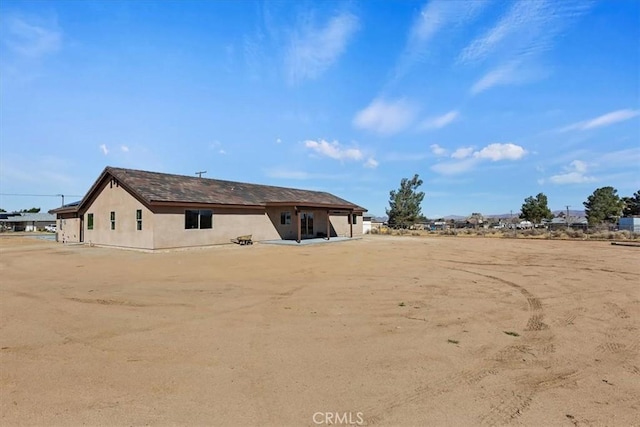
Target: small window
[[90, 221], [354, 219], [194, 219], [285, 218], [113, 220], [139, 219]]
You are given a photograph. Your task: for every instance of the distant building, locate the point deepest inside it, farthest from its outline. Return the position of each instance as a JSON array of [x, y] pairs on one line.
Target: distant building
[[27, 221], [629, 224]]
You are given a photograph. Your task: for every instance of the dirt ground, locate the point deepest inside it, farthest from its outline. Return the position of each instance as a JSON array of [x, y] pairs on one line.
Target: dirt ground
[[390, 331]]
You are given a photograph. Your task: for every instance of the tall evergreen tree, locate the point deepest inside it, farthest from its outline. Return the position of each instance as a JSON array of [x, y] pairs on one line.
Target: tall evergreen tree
[[603, 205], [535, 209], [404, 203]]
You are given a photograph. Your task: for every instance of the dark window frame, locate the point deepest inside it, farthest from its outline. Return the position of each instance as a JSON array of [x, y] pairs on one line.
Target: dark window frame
[[139, 219], [112, 218], [285, 218], [198, 219], [89, 221]]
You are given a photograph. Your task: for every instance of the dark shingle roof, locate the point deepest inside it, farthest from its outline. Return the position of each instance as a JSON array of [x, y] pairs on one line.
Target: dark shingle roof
[[161, 187]]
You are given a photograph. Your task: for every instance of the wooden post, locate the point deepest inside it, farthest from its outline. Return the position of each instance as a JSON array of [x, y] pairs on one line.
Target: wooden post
[[350, 223], [328, 226], [299, 225]]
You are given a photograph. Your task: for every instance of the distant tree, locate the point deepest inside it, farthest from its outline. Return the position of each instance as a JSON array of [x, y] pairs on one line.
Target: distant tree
[[631, 205], [535, 209], [404, 203], [603, 205], [2, 210], [476, 219], [32, 210]]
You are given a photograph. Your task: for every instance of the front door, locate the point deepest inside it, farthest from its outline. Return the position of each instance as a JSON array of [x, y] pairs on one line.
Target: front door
[[306, 224]]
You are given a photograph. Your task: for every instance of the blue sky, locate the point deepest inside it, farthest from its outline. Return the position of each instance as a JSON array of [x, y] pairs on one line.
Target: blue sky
[[488, 101]]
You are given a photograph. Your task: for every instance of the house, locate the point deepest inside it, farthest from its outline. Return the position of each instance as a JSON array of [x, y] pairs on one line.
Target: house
[[150, 210], [26, 221]]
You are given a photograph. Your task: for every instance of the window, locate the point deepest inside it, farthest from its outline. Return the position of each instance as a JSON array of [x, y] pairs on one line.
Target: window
[[139, 219], [285, 218], [194, 219], [90, 221], [113, 220], [354, 219]]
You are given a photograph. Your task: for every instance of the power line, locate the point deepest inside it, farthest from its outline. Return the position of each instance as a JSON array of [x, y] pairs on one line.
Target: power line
[[38, 195]]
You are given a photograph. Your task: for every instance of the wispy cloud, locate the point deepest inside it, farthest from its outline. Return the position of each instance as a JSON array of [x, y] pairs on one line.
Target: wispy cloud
[[312, 50], [435, 16], [462, 153], [385, 118], [288, 173], [603, 120], [455, 168], [124, 148], [333, 150], [31, 39], [439, 121], [438, 150], [575, 173], [371, 163], [466, 158], [104, 149], [519, 37]]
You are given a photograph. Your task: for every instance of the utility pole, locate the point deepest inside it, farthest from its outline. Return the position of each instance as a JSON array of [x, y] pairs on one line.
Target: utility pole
[[200, 173], [61, 195], [567, 217]]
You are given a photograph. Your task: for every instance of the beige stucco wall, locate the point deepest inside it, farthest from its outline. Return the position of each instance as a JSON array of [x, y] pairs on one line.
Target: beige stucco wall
[[115, 198], [227, 224], [340, 223], [68, 229]]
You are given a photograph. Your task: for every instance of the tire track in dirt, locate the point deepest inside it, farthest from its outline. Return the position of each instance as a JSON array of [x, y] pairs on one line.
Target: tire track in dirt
[[508, 408]]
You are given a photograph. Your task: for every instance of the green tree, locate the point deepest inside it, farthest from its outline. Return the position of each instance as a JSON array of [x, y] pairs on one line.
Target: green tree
[[603, 205], [32, 210], [404, 203], [535, 209], [2, 210], [631, 205]]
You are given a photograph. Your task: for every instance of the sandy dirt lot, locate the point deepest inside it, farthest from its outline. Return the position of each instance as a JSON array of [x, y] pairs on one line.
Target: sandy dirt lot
[[386, 331]]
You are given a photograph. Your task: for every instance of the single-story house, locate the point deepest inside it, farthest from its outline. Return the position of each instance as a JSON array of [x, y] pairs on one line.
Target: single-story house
[[26, 221], [150, 210]]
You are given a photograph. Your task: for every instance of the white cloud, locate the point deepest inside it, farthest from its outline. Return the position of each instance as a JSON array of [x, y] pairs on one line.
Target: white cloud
[[440, 121], [371, 163], [124, 148], [333, 150], [223, 152], [385, 118], [278, 141], [516, 41], [603, 120], [31, 39], [466, 158], [455, 168], [104, 149], [313, 50], [462, 153], [575, 173], [435, 17], [497, 151], [438, 150], [502, 75]]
